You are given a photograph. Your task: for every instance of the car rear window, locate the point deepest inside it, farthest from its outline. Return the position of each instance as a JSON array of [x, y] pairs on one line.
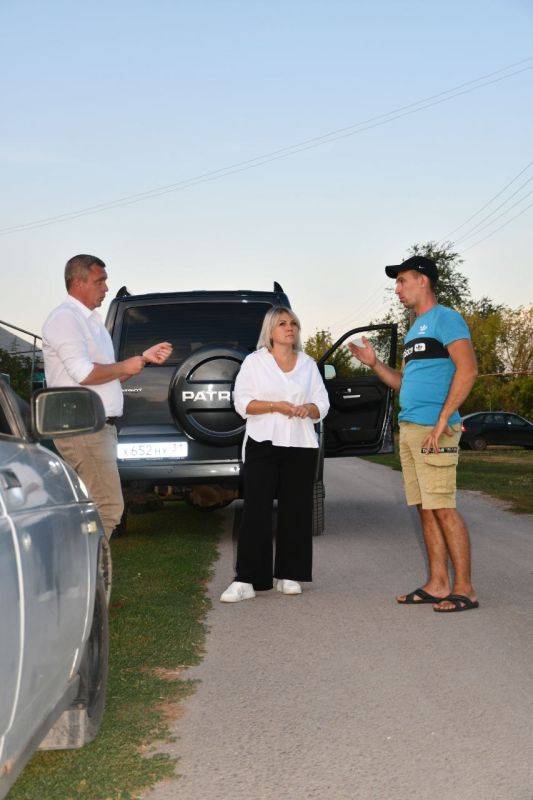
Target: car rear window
[[189, 326]]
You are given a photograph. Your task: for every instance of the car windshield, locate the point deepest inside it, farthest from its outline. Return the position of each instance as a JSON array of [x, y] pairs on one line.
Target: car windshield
[[189, 326]]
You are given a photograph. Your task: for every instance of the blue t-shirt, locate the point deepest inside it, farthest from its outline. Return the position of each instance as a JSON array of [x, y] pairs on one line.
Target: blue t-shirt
[[429, 370]]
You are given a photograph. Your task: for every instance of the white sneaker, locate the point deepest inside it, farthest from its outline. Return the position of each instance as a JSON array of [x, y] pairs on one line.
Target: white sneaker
[[288, 587], [237, 591]]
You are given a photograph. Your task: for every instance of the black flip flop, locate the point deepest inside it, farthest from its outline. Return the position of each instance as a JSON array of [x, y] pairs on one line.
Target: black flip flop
[[425, 597], [461, 603]]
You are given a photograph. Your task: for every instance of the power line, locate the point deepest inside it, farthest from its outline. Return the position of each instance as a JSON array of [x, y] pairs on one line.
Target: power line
[[487, 204], [484, 219], [350, 315], [359, 321], [356, 313], [492, 221], [286, 152], [499, 228]]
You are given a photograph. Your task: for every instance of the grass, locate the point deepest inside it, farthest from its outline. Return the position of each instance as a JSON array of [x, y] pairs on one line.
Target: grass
[[505, 473], [156, 627]]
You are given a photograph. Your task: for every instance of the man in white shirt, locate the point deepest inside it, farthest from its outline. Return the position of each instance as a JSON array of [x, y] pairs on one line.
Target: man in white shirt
[[78, 351]]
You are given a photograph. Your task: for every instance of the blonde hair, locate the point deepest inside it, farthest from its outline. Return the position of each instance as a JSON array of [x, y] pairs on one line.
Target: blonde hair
[[269, 323]]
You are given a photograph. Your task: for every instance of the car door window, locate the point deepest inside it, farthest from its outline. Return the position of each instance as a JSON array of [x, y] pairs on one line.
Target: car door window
[[517, 421], [347, 365], [359, 420], [12, 413], [494, 419], [5, 428]]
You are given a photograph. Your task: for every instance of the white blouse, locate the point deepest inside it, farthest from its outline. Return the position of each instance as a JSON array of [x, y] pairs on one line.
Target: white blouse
[[260, 378]]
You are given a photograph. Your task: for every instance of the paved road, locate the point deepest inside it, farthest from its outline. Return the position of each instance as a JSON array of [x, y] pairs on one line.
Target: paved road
[[342, 694]]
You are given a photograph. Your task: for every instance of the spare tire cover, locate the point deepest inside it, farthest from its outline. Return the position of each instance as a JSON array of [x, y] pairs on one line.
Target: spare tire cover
[[200, 395]]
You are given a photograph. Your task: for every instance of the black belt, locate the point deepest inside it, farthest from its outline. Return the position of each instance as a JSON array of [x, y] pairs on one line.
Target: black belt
[[112, 420]]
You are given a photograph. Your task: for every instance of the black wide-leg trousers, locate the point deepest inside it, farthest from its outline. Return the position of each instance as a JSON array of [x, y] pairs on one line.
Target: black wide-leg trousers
[[288, 473]]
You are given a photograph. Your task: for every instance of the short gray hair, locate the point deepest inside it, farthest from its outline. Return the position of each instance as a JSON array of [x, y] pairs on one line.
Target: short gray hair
[[79, 267], [269, 323]]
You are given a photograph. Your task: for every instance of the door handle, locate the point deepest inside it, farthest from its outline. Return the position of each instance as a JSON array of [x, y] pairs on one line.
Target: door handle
[[12, 488], [9, 480]]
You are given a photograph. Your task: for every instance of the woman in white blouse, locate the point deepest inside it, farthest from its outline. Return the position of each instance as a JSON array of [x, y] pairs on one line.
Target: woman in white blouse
[[280, 393]]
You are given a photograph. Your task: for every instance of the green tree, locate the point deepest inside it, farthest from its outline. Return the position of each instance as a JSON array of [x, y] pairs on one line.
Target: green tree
[[19, 370], [453, 288], [502, 337], [486, 323], [320, 342], [503, 341], [516, 340]]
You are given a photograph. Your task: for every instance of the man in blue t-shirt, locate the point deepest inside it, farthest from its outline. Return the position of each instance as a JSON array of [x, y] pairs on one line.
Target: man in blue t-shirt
[[438, 371]]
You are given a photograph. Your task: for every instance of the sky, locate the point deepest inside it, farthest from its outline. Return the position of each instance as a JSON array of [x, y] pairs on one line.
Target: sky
[[111, 99]]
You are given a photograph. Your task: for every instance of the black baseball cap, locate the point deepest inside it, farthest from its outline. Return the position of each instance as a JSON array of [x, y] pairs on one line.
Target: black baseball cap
[[426, 266]]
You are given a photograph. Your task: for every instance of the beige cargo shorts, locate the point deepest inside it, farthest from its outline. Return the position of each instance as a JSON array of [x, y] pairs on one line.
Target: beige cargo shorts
[[429, 478]]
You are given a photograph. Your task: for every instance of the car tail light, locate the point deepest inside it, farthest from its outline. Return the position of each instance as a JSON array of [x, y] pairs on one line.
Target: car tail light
[[463, 429]]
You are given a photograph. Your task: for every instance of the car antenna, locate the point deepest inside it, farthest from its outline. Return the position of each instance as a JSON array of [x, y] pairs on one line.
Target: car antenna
[[123, 292], [277, 288]]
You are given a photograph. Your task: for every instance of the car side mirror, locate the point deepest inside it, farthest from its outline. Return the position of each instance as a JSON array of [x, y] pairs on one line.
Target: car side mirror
[[329, 372], [60, 412]]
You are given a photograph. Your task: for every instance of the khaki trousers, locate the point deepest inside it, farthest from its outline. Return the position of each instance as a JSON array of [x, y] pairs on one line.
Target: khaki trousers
[[94, 457]]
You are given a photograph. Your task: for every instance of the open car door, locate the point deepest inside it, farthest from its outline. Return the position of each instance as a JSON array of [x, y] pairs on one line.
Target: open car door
[[360, 417]]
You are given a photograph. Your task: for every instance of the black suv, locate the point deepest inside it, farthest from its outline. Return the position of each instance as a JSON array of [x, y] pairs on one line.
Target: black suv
[[180, 434]]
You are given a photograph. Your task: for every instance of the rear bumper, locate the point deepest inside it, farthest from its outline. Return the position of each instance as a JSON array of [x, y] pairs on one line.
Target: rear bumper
[[181, 473]]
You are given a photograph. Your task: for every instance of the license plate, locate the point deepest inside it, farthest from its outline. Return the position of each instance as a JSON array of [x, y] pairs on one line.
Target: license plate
[[152, 450]]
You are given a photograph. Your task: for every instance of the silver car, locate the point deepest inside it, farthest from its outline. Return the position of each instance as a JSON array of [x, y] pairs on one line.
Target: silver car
[[53, 621]]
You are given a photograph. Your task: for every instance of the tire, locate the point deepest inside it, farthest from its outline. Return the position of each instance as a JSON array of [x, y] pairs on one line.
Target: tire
[[208, 509], [146, 506], [319, 494], [80, 724], [105, 567], [478, 443]]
